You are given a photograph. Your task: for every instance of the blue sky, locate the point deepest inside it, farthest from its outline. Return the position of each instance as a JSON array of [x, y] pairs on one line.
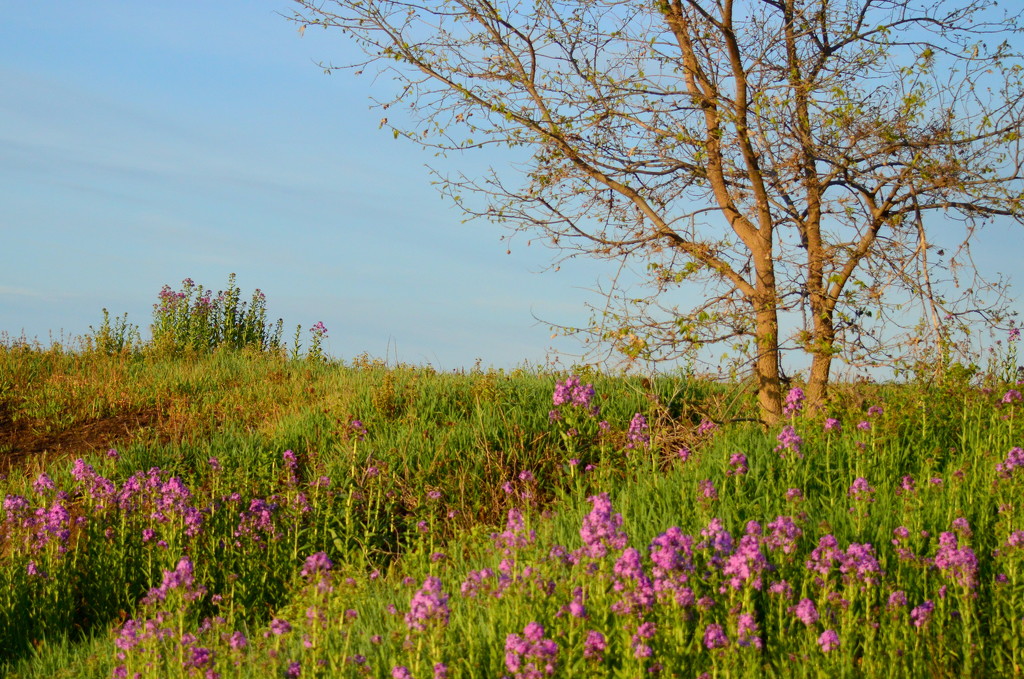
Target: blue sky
[[145, 142]]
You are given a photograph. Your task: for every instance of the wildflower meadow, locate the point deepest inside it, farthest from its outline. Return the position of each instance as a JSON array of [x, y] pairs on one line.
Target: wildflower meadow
[[286, 515]]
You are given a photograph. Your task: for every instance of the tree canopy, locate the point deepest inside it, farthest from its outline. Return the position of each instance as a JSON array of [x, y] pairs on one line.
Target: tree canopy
[[822, 162]]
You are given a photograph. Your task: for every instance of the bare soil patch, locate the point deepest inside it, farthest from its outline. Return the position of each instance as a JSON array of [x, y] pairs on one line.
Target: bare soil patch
[[22, 441]]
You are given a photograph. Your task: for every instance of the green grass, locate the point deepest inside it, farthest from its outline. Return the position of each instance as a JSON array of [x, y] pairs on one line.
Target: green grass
[[444, 458]]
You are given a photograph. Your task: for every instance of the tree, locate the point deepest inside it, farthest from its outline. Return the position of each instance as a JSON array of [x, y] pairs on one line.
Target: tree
[[794, 160]]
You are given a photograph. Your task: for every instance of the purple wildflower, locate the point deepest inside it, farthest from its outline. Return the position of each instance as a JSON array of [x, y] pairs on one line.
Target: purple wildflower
[[237, 640], [781, 588], [783, 534], [594, 647], [794, 401], [718, 539], [958, 564], [1014, 459], [642, 650], [714, 637], [897, 599], [258, 521], [805, 611], [858, 564], [129, 637], [193, 520], [919, 616], [601, 530], [294, 670], [638, 435], [746, 564], [646, 630], [427, 605], [531, 656], [82, 471], [788, 440], [572, 392], [357, 429], [737, 465], [576, 608], [515, 536], [832, 424], [672, 559], [179, 578], [1012, 396], [50, 524], [824, 556], [828, 640], [400, 672], [747, 631], [644, 633], [861, 491], [42, 484], [706, 427], [203, 657], [707, 490], [279, 626], [962, 527], [317, 568], [290, 460], [440, 671], [16, 507], [636, 588], [475, 581], [672, 551]]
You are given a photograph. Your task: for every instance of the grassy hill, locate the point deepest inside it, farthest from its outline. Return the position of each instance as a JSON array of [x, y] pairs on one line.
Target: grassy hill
[[245, 513]]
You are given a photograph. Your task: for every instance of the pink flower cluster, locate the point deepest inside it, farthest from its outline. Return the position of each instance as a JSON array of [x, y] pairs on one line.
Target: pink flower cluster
[[531, 656]]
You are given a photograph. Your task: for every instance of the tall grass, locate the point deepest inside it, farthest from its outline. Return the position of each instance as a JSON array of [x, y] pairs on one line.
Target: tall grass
[[277, 513], [306, 508]]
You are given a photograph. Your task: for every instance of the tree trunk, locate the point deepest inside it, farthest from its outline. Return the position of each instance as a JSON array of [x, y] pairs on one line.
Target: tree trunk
[[817, 384], [766, 367], [821, 362]]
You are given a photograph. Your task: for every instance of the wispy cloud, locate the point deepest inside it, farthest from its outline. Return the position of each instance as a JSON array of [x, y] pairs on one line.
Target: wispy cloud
[[8, 291]]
